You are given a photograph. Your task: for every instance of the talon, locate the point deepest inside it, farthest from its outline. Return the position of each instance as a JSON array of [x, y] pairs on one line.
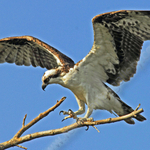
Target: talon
[[60, 112], [87, 128], [62, 120], [67, 117], [64, 112], [70, 113], [70, 110]]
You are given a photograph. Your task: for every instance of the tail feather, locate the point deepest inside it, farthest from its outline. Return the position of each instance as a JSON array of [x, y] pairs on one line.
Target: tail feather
[[129, 121], [126, 110], [140, 117]]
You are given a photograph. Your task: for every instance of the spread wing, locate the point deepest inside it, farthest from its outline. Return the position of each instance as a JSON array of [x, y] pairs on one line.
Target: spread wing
[[118, 39], [27, 50]]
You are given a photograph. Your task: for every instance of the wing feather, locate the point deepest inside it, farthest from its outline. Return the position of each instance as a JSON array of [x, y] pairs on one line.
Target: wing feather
[[26, 58], [118, 40], [11, 56], [19, 57], [3, 53], [27, 50]]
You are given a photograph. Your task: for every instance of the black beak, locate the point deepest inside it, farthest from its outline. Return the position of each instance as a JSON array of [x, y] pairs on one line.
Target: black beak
[[44, 86]]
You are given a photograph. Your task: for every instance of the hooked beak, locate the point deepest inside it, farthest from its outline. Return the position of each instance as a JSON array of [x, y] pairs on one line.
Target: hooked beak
[[44, 86]]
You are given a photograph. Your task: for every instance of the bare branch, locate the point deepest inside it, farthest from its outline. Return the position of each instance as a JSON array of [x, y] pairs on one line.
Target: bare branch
[[17, 139], [112, 120], [38, 118]]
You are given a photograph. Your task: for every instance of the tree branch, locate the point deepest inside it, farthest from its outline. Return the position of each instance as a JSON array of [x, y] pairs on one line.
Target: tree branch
[[17, 139]]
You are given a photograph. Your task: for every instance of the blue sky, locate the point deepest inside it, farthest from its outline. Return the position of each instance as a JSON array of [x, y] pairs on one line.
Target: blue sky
[[66, 25]]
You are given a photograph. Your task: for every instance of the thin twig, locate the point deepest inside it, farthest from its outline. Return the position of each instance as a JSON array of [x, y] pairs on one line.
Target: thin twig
[[23, 124], [21, 146], [96, 128], [137, 107]]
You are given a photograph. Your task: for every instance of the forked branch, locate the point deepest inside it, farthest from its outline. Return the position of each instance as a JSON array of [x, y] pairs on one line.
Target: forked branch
[[17, 139]]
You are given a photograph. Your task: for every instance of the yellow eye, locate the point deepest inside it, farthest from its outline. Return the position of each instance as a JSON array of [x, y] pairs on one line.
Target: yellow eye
[[46, 80]]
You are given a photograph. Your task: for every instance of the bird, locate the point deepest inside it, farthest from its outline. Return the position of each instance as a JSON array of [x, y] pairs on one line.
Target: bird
[[113, 58]]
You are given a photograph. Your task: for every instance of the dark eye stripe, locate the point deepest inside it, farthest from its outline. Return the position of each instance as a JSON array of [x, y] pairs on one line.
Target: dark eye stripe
[[46, 80], [55, 76]]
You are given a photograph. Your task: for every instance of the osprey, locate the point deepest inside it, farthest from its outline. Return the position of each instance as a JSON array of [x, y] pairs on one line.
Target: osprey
[[118, 39]]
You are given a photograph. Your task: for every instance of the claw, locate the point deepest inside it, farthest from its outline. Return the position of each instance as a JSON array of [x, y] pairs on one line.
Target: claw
[[61, 112], [70, 113], [64, 112], [62, 120], [87, 128]]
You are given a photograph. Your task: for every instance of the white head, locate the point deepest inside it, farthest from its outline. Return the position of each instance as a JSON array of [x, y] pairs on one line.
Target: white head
[[51, 76]]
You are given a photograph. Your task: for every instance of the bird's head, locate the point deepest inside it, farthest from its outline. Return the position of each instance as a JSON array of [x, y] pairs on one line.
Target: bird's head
[[51, 76]]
